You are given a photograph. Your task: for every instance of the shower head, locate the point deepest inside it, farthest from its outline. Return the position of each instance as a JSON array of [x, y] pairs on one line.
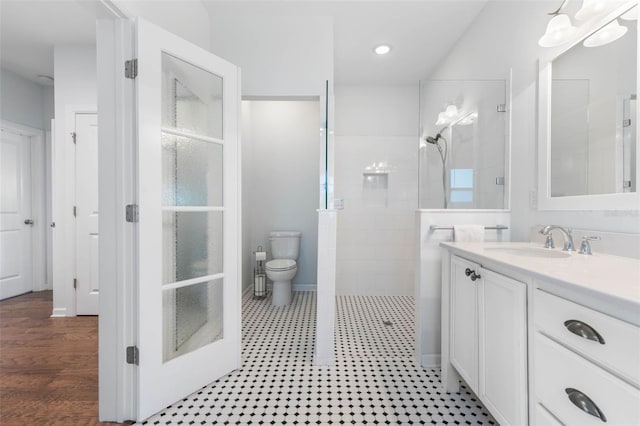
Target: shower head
[[432, 140]]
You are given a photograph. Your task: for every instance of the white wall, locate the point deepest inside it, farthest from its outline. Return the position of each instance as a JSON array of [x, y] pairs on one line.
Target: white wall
[[505, 35], [187, 19], [24, 102], [279, 56], [280, 155], [75, 86], [376, 228]]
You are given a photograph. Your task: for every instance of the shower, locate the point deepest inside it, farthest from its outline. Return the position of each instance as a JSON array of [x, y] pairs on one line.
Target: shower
[[443, 156]]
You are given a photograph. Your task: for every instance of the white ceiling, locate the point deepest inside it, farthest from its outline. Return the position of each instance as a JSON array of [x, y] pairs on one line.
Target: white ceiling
[[421, 32]]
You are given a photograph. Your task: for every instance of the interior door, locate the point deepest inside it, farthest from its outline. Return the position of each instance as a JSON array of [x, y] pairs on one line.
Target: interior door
[[86, 138], [15, 214], [189, 295]]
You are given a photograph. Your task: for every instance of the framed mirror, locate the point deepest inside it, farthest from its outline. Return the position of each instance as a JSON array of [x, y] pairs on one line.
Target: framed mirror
[[587, 136]]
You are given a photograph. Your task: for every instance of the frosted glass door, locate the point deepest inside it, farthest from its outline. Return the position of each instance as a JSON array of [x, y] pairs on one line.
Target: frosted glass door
[[189, 298]]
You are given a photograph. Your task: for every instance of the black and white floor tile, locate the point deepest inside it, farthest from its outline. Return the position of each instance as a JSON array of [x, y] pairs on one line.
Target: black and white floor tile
[[375, 379]]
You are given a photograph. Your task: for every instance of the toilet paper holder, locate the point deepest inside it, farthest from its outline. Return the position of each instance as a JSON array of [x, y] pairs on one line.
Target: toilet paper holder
[[259, 274]]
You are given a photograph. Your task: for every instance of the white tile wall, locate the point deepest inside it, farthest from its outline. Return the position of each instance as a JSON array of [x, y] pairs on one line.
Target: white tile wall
[[376, 228]]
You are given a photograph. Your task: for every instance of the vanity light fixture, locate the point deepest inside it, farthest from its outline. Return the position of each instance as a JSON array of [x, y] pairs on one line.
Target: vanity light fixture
[[382, 49], [442, 120], [607, 34], [451, 111], [590, 8], [559, 31], [447, 116]]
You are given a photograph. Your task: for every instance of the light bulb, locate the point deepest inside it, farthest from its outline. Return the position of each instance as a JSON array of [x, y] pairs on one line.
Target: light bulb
[[383, 49]]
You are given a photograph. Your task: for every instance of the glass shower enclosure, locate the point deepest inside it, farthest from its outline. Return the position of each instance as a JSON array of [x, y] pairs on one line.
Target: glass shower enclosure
[[463, 144]]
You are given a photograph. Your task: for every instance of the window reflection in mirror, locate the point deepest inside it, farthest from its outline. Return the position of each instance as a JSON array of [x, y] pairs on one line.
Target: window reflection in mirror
[[593, 129]]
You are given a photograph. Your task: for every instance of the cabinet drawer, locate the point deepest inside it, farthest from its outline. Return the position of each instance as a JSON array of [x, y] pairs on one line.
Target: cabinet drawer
[[544, 417], [561, 373], [618, 344]]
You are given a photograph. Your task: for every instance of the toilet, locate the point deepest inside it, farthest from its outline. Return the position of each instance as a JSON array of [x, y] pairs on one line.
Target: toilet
[[285, 247]]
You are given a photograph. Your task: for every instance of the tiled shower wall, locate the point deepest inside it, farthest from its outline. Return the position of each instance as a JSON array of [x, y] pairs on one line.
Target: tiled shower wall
[[375, 242]]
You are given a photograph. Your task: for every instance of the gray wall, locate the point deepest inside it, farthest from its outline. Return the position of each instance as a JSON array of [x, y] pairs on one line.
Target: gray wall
[[24, 102], [281, 158]]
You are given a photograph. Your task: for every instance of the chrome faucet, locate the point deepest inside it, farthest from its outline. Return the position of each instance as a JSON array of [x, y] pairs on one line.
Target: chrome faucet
[[566, 233]]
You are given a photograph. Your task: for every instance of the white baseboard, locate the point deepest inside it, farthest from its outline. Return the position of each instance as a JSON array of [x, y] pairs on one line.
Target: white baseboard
[[430, 361], [304, 287], [59, 312]]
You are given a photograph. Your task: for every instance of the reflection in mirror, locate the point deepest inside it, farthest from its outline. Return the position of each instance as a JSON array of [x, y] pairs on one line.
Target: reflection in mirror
[[593, 138], [462, 144]]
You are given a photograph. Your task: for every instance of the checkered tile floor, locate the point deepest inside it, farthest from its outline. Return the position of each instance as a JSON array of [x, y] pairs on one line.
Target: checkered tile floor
[[374, 381]]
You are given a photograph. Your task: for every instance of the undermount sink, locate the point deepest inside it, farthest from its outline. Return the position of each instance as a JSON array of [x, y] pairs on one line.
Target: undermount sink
[[530, 252]]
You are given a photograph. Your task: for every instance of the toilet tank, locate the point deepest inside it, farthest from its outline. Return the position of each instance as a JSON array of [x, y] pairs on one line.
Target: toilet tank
[[285, 244]]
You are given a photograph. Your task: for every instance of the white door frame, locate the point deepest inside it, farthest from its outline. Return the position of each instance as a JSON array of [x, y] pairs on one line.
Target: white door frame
[[117, 186], [38, 202]]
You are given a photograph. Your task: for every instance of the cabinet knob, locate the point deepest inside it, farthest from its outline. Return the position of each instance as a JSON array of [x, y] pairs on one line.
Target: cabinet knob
[[584, 403], [472, 274], [583, 330]]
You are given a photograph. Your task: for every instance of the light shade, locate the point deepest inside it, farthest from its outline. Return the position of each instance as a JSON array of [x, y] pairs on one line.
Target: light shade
[[610, 32], [383, 49], [631, 15], [451, 111], [559, 31], [590, 8]]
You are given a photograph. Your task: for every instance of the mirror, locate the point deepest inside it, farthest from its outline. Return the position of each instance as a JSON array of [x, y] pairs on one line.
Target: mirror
[[588, 121]]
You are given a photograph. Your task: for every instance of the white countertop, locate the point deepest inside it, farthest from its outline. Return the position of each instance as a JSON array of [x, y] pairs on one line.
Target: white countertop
[[613, 278]]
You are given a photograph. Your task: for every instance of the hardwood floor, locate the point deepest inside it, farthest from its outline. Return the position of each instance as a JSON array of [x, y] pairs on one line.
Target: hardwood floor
[[48, 366]]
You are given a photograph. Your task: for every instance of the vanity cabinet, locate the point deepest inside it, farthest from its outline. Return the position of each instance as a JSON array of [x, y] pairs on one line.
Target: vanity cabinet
[[587, 364], [488, 336], [542, 338]]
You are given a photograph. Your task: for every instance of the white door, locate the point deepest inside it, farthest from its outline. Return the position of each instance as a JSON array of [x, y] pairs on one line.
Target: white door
[[15, 214], [189, 295], [87, 288]]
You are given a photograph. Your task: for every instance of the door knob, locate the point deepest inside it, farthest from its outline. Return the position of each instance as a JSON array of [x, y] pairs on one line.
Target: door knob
[[28, 222]]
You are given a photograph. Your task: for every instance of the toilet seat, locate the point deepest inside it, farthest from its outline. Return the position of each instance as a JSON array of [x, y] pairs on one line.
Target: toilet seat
[[281, 264]]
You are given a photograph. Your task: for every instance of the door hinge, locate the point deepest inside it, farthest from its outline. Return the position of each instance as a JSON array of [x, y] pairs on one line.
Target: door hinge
[[74, 136], [133, 355], [131, 68], [502, 108], [74, 211], [75, 283], [131, 213], [626, 123]]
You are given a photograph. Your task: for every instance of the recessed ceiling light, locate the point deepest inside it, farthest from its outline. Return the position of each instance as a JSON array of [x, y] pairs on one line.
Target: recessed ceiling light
[[382, 49]]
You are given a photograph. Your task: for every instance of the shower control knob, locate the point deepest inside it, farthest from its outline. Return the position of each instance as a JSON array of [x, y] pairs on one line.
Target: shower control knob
[[468, 272]]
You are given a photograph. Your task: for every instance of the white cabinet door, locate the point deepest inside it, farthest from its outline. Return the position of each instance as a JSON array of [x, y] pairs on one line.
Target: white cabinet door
[[463, 328], [189, 288], [502, 347]]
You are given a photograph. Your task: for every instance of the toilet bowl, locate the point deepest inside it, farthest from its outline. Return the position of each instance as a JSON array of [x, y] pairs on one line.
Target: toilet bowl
[[285, 247], [281, 272]]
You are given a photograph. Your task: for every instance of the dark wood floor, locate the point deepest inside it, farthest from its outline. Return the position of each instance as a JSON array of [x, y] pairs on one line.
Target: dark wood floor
[[48, 366]]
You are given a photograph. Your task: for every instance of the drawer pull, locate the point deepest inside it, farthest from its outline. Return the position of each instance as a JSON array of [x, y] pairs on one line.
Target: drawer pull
[[583, 330], [584, 403]]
